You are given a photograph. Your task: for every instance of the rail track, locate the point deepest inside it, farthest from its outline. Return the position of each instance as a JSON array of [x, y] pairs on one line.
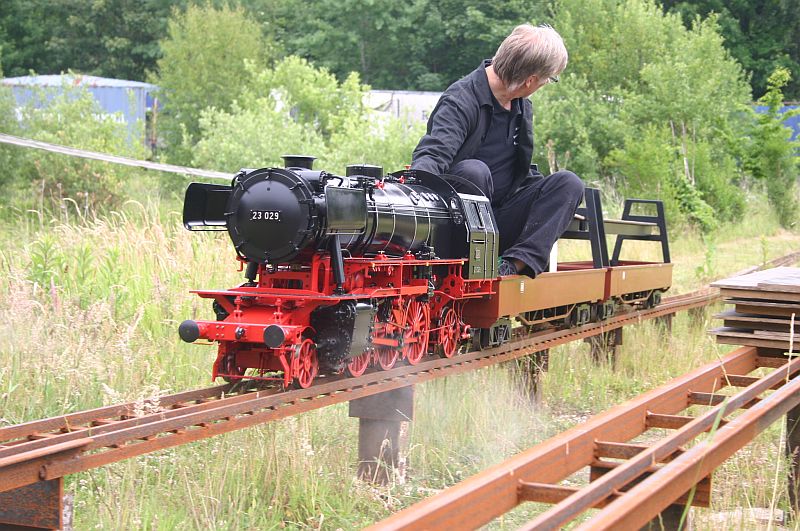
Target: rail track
[[631, 482], [58, 446]]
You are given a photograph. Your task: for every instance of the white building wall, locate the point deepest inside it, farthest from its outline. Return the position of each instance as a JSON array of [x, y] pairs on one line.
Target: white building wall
[[413, 105]]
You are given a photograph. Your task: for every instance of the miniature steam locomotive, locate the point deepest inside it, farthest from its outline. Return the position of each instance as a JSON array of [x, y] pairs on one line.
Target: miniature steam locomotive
[[367, 269]]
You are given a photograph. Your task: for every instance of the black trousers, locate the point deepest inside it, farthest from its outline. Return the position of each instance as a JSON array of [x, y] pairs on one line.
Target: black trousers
[[532, 218]]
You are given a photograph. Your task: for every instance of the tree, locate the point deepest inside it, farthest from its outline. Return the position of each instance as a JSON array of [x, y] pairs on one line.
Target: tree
[[315, 97], [461, 33], [204, 64], [761, 35], [771, 156], [297, 108], [423, 44], [647, 103], [112, 38]]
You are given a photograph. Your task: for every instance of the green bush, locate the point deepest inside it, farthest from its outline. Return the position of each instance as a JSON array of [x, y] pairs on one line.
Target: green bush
[[373, 139], [716, 177], [203, 64], [252, 137], [771, 157], [650, 167], [577, 125], [295, 108], [644, 165], [71, 116], [10, 156], [312, 95]]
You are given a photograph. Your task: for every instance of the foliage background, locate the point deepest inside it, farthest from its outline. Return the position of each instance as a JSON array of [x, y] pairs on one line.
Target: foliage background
[[418, 45], [654, 102]]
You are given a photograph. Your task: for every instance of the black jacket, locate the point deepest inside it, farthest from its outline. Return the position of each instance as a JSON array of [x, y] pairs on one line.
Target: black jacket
[[459, 123]]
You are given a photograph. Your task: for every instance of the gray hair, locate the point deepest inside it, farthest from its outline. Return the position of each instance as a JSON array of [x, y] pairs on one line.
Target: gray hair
[[529, 51]]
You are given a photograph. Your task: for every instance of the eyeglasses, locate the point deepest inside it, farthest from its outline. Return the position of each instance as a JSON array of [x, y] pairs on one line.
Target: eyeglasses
[[552, 79]]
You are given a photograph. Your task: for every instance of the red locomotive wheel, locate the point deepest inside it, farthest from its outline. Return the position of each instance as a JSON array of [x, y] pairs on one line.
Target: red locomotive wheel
[[359, 364], [387, 357], [229, 370], [417, 331], [305, 366], [449, 332]]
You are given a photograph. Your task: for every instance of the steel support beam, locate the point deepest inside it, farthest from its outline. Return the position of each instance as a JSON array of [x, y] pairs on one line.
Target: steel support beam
[[36, 506]]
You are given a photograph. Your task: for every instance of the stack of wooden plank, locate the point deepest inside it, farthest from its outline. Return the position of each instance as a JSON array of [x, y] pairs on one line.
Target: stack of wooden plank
[[766, 309]]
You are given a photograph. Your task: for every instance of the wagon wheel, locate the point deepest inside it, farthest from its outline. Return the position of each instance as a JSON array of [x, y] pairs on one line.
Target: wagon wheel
[[305, 365], [358, 364], [449, 332], [417, 331]]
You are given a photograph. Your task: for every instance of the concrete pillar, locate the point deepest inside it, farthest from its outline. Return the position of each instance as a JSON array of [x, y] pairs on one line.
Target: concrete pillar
[[531, 369], [669, 520], [379, 432], [604, 346]]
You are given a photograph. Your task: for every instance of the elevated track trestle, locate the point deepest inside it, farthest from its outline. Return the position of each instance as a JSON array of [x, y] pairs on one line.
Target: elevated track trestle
[[36, 455], [59, 446]]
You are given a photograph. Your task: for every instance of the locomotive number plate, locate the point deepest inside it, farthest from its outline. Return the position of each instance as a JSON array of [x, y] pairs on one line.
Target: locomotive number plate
[[265, 215]]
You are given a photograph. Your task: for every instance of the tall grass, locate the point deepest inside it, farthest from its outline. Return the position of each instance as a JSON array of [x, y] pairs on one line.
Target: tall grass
[[89, 307]]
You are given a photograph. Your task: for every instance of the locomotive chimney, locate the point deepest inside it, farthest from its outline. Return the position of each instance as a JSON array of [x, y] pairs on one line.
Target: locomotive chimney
[[298, 161]]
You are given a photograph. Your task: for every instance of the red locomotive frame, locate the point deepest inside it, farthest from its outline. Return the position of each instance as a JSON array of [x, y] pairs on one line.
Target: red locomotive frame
[[420, 317], [423, 319]]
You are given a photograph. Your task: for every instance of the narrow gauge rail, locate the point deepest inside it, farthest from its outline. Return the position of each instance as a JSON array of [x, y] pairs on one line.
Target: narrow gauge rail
[[631, 482], [59, 446]]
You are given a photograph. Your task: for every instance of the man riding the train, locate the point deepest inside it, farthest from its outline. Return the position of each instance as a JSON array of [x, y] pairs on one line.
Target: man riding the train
[[482, 130]]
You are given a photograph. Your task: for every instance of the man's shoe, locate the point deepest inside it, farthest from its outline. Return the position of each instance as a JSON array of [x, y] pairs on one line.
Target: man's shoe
[[506, 268]]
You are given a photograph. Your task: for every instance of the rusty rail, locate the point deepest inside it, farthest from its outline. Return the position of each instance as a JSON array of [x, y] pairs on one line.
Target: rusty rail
[[632, 482], [113, 433]]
